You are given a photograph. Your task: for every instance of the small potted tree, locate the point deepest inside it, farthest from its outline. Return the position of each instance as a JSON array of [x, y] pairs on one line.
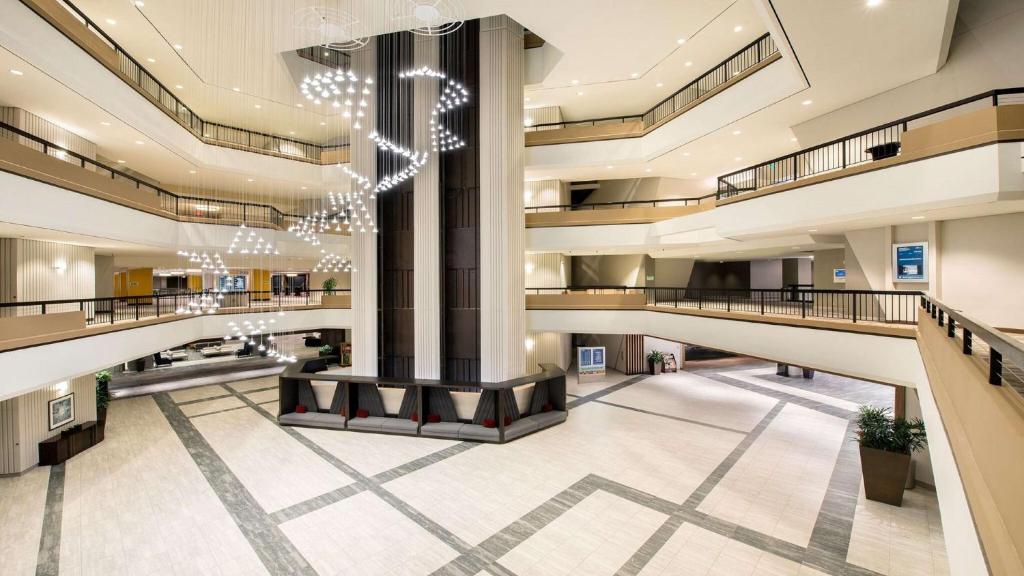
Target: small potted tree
[[655, 359], [886, 444], [326, 350], [102, 399], [332, 300]]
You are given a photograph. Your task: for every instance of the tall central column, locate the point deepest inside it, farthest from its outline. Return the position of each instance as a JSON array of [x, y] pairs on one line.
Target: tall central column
[[426, 226], [502, 232], [363, 155]]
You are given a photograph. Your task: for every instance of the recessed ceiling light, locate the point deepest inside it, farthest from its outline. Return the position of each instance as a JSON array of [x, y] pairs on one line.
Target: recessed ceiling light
[[257, 106], [693, 173], [111, 21], [609, 166], [634, 75], [140, 3], [299, 105], [179, 47], [249, 179], [873, 3], [795, 248], [104, 123], [527, 98], [120, 161], [737, 132], [292, 132], [681, 41], [647, 169], [17, 72], [813, 230], [738, 158], [917, 217], [139, 142], [323, 123], [303, 187], [178, 86], [327, 53], [151, 60], [686, 153], [579, 93], [792, 139], [688, 63], [660, 84], [236, 89], [807, 102], [191, 171], [738, 28], [575, 82]]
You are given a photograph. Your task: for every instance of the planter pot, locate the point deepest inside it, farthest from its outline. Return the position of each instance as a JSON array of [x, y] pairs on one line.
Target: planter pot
[[885, 475], [655, 368], [887, 150], [139, 364]]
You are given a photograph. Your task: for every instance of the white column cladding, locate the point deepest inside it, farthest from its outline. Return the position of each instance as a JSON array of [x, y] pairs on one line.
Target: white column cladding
[[426, 220], [502, 232], [364, 244]]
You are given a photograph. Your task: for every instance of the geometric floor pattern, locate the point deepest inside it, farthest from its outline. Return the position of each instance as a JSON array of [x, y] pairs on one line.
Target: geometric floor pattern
[[718, 470]]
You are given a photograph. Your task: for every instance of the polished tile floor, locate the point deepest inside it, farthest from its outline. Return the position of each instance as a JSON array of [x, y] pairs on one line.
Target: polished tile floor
[[725, 469]]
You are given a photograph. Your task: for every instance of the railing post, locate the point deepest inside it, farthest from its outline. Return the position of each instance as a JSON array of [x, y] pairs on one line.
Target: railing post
[[854, 312], [761, 293], [728, 301], [136, 309], [942, 318], [44, 307], [995, 367], [700, 299], [935, 310], [794, 168], [112, 310], [157, 305], [967, 341], [951, 328]]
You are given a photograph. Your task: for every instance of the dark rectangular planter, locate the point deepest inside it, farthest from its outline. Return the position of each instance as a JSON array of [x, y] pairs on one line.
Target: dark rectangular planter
[[655, 367], [887, 150], [885, 475]]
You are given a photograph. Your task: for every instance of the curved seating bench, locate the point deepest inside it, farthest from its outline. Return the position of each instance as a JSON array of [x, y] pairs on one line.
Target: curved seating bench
[[315, 393]]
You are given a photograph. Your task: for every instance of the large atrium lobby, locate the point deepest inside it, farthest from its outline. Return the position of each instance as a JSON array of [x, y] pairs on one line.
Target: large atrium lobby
[[511, 288]]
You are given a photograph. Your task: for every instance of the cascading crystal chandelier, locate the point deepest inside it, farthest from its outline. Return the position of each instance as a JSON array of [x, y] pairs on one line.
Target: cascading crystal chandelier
[[205, 301], [260, 334], [247, 241], [333, 263]]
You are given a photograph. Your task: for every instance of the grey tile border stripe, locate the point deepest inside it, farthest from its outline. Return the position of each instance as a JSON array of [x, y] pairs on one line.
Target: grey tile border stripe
[[276, 552], [677, 418], [48, 561], [606, 391], [834, 525], [366, 482], [423, 462], [724, 378], [313, 504]]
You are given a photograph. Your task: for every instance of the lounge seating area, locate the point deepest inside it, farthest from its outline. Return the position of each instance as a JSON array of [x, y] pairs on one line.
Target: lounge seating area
[[319, 393]]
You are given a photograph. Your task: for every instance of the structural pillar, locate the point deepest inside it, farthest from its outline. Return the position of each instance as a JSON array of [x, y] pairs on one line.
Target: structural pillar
[[363, 157], [426, 220], [502, 232]]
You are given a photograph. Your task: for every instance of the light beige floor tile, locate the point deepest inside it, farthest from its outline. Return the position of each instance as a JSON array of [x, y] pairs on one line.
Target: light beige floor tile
[[694, 551], [254, 384], [366, 536], [276, 468], [899, 540], [208, 406], [374, 453], [198, 393], [263, 396], [22, 502]]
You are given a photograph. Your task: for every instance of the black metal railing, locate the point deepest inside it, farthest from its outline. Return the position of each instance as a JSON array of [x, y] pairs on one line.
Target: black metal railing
[[192, 207], [879, 306], [654, 203], [866, 146], [750, 55], [1002, 353], [132, 308], [210, 132]]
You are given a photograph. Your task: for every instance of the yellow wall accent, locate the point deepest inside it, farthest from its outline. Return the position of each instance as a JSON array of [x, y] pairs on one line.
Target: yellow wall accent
[[195, 283], [138, 282], [259, 281]]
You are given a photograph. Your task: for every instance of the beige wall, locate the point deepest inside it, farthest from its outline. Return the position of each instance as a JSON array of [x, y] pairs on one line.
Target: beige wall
[[30, 272], [672, 272], [316, 279], [46, 130], [548, 348], [548, 270], [825, 263], [545, 193], [647, 189], [24, 421]]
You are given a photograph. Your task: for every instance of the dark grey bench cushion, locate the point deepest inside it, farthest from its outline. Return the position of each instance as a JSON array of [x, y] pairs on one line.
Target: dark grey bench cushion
[[442, 429], [520, 427], [398, 425], [371, 423], [478, 432], [545, 419]]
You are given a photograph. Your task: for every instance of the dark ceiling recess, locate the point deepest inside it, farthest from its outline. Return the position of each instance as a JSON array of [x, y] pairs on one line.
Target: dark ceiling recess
[[531, 40], [335, 59]]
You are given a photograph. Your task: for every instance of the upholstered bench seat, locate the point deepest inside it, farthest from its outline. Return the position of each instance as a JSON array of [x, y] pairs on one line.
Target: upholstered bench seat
[[321, 420], [442, 429]]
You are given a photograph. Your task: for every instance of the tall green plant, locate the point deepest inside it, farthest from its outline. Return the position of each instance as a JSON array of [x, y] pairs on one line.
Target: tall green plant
[[329, 285], [656, 357], [102, 389], [877, 429]]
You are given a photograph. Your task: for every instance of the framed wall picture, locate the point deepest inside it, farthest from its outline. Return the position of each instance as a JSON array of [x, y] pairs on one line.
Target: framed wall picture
[[62, 410], [910, 262], [839, 275]]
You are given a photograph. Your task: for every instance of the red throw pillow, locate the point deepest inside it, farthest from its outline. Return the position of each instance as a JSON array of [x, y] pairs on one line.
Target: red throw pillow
[[489, 423], [344, 412], [508, 420], [433, 418], [360, 413], [300, 409], [547, 407], [415, 417]]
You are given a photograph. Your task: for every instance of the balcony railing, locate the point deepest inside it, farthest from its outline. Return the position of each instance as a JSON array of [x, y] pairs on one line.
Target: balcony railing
[[186, 207], [209, 132], [654, 203], [874, 306], [867, 146], [132, 308], [750, 55]]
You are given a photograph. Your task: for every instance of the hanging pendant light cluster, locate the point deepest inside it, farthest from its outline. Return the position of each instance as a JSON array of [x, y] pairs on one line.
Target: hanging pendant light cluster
[[334, 263], [342, 88], [205, 301], [214, 264], [247, 241], [309, 226], [260, 335]]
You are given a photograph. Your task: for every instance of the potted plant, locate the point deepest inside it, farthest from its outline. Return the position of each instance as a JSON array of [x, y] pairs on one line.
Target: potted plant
[[329, 285], [886, 444], [655, 359], [102, 398], [326, 350]]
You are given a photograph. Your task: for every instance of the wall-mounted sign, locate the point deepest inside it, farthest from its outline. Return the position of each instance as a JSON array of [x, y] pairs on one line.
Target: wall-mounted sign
[[910, 262], [590, 361], [839, 275]]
